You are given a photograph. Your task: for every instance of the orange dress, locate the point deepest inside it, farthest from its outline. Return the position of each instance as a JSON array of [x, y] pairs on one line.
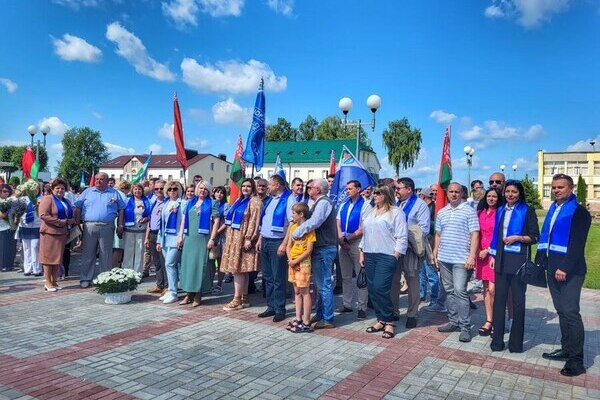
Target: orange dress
[[235, 259]]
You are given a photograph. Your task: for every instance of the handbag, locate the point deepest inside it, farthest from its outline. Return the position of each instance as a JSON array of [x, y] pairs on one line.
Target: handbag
[[532, 273], [361, 279]]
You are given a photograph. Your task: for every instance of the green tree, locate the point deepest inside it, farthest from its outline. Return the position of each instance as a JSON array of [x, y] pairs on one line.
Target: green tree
[[403, 144], [14, 181], [308, 128], [332, 127], [581, 191], [14, 154], [531, 194], [281, 131], [83, 150]]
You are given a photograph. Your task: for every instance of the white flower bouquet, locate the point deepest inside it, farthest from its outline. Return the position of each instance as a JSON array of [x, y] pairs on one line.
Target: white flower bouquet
[[13, 209], [117, 280], [30, 189]]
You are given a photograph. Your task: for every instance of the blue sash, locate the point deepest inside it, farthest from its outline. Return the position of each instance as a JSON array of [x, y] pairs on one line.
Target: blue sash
[[279, 213], [300, 198], [61, 208], [171, 226], [203, 218], [30, 213], [351, 224], [398, 202], [515, 227], [410, 202], [561, 229], [130, 210], [236, 212]]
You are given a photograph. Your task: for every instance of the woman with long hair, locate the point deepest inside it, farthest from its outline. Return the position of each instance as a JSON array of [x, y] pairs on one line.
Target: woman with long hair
[[486, 213], [136, 217], [516, 229], [239, 250], [8, 244], [215, 244], [29, 233], [384, 241]]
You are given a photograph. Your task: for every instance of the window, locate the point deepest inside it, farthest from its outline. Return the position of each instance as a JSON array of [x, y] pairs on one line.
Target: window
[[160, 176], [311, 174], [127, 177], [112, 176], [226, 181], [596, 191], [296, 173], [212, 180], [134, 163], [547, 191], [270, 173], [212, 166], [596, 167], [324, 173], [121, 177], [227, 168], [170, 177], [180, 174]]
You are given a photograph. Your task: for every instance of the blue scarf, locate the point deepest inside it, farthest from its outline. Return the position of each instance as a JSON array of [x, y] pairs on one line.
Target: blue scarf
[[515, 227], [204, 217], [279, 214], [410, 202], [300, 198], [30, 213], [61, 208], [171, 227], [351, 224], [222, 208], [561, 229], [130, 210], [236, 212]]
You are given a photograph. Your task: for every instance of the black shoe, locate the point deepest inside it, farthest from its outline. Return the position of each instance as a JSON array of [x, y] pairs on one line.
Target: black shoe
[[422, 299], [40, 274], [448, 328], [361, 314], [497, 347], [27, 274], [278, 317], [411, 322], [266, 313], [556, 355], [343, 309], [396, 317], [472, 305], [314, 319], [337, 290], [570, 371]]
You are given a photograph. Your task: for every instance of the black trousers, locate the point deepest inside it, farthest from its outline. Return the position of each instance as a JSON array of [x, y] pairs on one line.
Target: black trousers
[[504, 282], [566, 296]]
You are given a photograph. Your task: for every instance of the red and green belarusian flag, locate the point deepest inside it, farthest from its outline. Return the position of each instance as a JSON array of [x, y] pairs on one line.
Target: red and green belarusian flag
[[30, 164], [445, 176], [238, 172]]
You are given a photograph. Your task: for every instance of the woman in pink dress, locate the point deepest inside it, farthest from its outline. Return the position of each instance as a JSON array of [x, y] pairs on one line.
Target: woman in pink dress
[[486, 211]]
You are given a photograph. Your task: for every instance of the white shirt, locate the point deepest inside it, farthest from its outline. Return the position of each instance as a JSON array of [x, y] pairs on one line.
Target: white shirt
[[419, 215], [507, 214], [386, 233]]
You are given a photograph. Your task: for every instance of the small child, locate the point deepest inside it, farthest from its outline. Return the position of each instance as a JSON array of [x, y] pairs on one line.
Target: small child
[[298, 253]]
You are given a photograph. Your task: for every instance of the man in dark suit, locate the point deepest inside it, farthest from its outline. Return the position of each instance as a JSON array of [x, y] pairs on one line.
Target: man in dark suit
[[562, 249]]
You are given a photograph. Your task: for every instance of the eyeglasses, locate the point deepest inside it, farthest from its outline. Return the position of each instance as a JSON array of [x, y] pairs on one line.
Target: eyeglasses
[[497, 182], [172, 190], [377, 193], [400, 187], [158, 189]]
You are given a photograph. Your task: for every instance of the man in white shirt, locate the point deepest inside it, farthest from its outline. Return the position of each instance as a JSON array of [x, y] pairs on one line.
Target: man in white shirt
[[349, 218]]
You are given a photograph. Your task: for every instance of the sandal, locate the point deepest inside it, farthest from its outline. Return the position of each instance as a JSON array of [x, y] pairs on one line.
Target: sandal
[[292, 324], [187, 299], [372, 329], [483, 331], [300, 328], [388, 334]]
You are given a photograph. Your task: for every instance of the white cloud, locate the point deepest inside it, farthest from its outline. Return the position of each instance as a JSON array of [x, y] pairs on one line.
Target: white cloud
[[73, 48], [534, 131], [473, 133], [198, 143], [77, 4], [97, 115], [584, 145], [57, 127], [499, 132], [117, 150], [285, 7], [131, 48], [182, 12], [231, 76], [527, 13], [166, 131], [10, 86], [442, 117], [222, 8], [524, 165], [155, 148], [229, 112]]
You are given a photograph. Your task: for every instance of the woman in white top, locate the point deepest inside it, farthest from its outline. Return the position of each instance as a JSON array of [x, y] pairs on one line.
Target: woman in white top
[[384, 241], [29, 233], [136, 216]]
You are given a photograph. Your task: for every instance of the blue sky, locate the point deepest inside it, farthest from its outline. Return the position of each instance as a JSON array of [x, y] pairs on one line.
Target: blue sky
[[511, 76]]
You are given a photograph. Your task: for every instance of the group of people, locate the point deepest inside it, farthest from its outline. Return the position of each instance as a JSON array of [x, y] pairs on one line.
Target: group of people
[[295, 234]]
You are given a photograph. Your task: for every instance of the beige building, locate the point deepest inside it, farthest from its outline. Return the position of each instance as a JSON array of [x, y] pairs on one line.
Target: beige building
[[214, 169], [585, 163]]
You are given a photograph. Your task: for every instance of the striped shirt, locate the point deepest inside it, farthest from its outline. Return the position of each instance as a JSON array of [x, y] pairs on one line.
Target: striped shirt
[[455, 225]]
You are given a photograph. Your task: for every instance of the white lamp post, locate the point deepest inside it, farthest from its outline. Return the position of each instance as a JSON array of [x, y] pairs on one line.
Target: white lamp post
[[345, 104], [502, 168], [32, 129], [469, 151], [514, 168]]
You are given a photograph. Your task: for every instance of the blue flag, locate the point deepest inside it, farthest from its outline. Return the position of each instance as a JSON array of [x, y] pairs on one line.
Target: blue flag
[[349, 169], [255, 146], [279, 168], [141, 174], [82, 180]]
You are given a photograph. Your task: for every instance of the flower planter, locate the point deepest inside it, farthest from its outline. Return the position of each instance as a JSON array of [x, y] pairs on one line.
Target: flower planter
[[118, 298]]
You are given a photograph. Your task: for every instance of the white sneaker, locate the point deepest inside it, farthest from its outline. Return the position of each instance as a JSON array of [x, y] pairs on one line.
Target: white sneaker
[[164, 296], [169, 299], [58, 287]]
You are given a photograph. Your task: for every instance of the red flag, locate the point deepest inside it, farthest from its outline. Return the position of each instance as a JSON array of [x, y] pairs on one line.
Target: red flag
[[238, 172], [93, 179], [445, 176], [178, 134], [27, 161], [332, 163]]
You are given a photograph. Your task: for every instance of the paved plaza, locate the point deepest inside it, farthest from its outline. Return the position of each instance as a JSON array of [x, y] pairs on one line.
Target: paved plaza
[[70, 345]]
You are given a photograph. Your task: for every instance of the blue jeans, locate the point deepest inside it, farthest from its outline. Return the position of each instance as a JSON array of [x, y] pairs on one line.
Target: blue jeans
[[322, 260], [454, 279], [429, 275], [275, 274], [172, 256], [380, 269]]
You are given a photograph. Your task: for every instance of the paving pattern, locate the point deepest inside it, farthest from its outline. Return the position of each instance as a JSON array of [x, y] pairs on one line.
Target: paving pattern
[[69, 345]]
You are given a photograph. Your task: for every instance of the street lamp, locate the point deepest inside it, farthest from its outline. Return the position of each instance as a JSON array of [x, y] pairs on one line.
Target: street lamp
[[345, 104], [32, 129], [502, 168], [469, 151], [593, 142], [514, 168]]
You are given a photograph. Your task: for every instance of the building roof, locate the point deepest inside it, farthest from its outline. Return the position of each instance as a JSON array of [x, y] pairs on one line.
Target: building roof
[[157, 161], [308, 151]]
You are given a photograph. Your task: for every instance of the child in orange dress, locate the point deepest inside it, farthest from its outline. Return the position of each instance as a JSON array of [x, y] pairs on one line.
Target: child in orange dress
[[298, 253]]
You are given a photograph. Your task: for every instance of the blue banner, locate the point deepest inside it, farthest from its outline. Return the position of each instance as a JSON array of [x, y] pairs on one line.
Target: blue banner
[[349, 169], [255, 145], [279, 168]]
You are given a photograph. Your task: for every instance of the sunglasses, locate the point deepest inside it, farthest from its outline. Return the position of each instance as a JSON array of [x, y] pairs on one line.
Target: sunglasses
[[158, 189], [172, 190], [377, 192], [497, 182]]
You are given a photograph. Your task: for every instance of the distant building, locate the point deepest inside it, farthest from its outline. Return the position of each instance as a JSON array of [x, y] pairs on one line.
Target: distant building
[[585, 163], [214, 169], [310, 159]]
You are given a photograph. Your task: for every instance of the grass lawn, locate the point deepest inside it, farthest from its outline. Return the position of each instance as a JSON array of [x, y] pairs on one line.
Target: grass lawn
[[592, 257]]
